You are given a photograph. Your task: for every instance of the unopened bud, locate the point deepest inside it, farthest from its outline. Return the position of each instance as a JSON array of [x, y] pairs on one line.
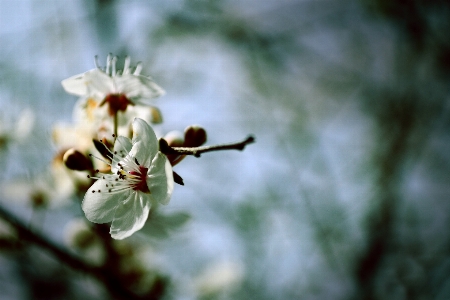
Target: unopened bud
[[194, 136], [75, 160], [156, 115], [174, 138]]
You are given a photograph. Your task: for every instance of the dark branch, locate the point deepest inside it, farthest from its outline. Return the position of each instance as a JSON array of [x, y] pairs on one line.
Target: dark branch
[[26, 234], [197, 151]]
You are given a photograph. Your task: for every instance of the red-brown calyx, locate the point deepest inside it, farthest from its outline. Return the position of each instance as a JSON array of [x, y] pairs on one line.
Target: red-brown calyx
[[116, 102]]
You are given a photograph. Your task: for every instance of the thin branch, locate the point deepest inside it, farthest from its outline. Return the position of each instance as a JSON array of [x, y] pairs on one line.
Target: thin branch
[[113, 284], [197, 151]]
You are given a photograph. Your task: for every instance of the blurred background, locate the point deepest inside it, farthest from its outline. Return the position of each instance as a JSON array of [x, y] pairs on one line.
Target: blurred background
[[344, 195]]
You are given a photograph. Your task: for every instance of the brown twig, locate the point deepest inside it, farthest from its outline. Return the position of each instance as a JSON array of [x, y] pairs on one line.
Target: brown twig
[[197, 151]]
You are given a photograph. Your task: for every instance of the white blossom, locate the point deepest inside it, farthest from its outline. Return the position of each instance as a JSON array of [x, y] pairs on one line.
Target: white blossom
[[141, 175], [116, 88]]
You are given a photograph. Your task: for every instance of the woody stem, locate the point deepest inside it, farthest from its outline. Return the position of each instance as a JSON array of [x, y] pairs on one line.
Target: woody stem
[[197, 151]]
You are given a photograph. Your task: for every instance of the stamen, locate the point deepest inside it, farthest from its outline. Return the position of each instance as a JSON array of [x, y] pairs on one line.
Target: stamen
[[100, 159], [108, 63], [96, 62], [113, 62], [128, 173], [138, 69], [126, 157], [126, 66]]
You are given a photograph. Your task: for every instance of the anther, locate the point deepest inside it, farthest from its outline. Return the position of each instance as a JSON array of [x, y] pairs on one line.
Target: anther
[[96, 62]]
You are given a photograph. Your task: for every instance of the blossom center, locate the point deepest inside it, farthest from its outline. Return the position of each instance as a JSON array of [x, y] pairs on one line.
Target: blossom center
[[116, 102], [129, 173], [141, 180]]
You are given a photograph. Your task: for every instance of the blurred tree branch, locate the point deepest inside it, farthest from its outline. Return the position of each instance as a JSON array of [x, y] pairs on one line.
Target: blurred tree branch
[[113, 284]]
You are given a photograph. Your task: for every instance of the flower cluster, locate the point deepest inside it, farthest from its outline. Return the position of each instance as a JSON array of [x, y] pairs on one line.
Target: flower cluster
[[132, 169], [134, 174]]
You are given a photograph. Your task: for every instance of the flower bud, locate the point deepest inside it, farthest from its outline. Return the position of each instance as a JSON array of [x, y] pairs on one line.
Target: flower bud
[[156, 116], [75, 160], [194, 136], [174, 138]]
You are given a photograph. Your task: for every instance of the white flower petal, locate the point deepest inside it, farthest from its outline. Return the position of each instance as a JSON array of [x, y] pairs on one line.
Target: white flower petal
[[160, 179], [145, 143], [122, 144], [93, 83], [99, 207], [122, 147], [99, 84], [149, 88], [130, 216], [137, 87], [75, 85]]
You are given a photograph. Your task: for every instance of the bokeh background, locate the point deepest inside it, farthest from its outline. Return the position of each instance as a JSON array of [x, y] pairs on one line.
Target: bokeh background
[[344, 195]]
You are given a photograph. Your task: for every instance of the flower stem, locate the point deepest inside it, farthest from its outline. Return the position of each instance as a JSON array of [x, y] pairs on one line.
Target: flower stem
[[197, 151], [116, 124]]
